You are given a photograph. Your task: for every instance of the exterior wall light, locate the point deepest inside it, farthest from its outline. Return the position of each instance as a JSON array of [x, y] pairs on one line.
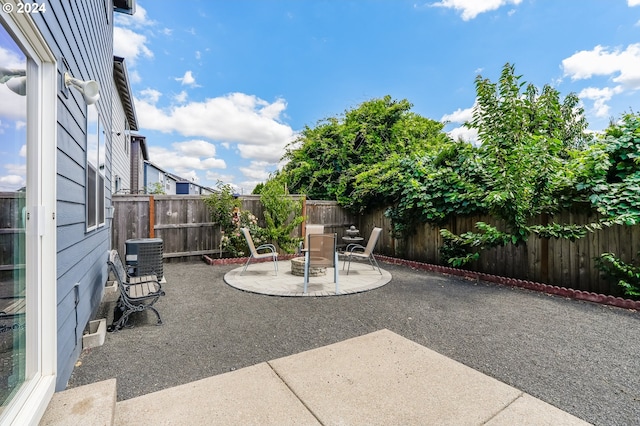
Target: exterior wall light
[[90, 89]]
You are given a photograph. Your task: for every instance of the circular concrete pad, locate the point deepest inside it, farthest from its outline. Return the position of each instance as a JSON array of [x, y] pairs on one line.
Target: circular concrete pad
[[261, 278]]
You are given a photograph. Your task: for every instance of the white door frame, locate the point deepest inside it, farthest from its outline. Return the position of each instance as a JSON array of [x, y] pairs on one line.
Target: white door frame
[[31, 400]]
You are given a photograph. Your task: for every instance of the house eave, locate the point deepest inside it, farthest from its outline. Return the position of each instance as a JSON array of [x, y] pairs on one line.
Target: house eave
[[121, 78]]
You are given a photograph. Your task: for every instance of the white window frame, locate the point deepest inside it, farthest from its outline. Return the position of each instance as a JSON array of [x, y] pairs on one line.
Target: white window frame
[[31, 400]]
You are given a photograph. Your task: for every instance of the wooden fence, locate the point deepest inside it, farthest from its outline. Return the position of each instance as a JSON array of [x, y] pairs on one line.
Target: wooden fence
[[183, 222], [552, 261]]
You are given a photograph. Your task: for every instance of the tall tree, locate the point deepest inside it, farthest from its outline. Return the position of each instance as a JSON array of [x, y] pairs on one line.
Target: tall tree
[[325, 160], [525, 140], [527, 137]]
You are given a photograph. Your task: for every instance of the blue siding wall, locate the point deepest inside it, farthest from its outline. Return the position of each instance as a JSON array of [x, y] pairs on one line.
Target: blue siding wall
[[81, 32]]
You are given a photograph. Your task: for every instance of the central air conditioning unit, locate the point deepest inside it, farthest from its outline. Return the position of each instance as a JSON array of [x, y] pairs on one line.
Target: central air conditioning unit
[[143, 256]]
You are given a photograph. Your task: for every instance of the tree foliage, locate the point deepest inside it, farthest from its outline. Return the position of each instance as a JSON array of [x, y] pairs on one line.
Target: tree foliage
[[527, 140], [626, 275], [222, 204], [325, 161], [226, 210], [282, 214], [526, 136], [611, 176]]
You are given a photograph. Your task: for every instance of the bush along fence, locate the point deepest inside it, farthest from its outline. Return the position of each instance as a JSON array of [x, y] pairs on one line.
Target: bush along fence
[[184, 223]]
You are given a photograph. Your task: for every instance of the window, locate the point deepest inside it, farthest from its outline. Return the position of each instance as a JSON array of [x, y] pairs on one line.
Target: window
[[96, 161], [127, 137]]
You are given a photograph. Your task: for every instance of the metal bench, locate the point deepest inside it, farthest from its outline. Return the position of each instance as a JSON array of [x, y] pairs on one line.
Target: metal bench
[[136, 293]]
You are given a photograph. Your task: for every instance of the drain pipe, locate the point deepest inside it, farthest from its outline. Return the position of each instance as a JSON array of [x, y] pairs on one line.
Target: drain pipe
[[76, 294]]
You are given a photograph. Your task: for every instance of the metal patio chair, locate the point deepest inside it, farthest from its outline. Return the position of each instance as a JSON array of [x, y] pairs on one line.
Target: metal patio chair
[[321, 251], [255, 252], [361, 252], [310, 229]]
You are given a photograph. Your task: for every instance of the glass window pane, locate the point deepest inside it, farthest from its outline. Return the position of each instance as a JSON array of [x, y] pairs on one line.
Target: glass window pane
[[91, 196], [13, 191], [102, 161], [92, 164], [100, 199]]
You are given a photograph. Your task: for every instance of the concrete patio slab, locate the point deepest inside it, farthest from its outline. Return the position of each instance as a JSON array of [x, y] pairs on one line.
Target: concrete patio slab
[[379, 378], [261, 278], [249, 396], [530, 411], [92, 404], [383, 378]]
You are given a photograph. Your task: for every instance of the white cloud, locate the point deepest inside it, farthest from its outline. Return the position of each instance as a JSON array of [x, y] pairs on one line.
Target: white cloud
[[16, 169], [214, 176], [261, 152], [12, 60], [181, 97], [602, 61], [12, 106], [186, 157], [150, 96], [468, 135], [187, 79], [461, 116], [257, 170], [130, 45], [247, 186], [600, 98], [134, 76], [198, 148], [246, 120], [458, 116], [11, 182], [472, 8], [621, 66], [632, 3]]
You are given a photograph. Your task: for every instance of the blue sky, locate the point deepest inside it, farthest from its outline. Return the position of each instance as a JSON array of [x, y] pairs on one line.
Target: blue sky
[[221, 87]]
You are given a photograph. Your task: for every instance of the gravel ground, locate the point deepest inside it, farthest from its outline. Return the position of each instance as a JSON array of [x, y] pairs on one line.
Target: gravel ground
[[581, 357]]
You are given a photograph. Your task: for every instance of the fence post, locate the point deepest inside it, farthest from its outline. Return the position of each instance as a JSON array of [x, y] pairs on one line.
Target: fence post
[[152, 216]]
